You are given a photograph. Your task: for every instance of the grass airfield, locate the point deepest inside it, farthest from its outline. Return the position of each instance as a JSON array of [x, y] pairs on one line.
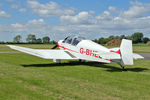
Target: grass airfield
[[26, 77]]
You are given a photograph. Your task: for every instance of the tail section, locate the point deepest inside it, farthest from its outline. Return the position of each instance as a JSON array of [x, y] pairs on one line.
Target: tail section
[[126, 52]]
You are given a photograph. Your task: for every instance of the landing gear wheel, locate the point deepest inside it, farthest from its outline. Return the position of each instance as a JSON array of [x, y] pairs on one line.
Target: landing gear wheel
[[81, 60], [123, 68]]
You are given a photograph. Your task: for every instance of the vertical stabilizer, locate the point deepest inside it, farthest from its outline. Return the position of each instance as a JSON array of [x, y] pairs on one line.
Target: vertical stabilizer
[[126, 52]]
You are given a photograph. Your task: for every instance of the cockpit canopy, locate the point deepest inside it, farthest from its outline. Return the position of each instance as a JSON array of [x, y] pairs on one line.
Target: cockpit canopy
[[73, 40]]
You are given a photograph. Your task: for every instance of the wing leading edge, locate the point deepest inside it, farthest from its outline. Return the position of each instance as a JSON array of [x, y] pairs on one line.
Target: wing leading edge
[[44, 53]]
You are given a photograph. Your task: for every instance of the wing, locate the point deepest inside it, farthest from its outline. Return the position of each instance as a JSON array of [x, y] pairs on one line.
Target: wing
[[44, 53]]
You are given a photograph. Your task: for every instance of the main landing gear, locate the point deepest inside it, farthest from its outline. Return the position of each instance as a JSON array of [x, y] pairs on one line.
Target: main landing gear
[[58, 61], [123, 68]]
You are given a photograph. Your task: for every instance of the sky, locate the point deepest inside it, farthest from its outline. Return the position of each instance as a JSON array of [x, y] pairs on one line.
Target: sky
[[59, 18]]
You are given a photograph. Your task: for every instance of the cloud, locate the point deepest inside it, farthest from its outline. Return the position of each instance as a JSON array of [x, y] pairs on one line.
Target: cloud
[[3, 14], [104, 16], [112, 9], [86, 23], [22, 9], [35, 26], [17, 25], [80, 18], [35, 22], [49, 9], [128, 21], [136, 10]]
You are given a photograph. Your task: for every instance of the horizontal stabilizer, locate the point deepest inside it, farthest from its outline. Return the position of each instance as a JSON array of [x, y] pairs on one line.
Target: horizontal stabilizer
[[137, 56]]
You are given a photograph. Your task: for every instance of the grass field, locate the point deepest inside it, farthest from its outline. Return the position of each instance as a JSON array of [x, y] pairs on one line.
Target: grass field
[[141, 48], [26, 77]]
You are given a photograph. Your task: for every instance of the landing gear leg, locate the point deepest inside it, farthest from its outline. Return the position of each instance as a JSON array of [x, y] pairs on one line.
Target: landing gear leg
[[123, 68], [81, 60], [58, 61]]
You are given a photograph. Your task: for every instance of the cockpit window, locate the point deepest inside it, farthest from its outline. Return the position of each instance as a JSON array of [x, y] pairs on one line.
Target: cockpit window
[[77, 39], [65, 39], [73, 40], [69, 40]]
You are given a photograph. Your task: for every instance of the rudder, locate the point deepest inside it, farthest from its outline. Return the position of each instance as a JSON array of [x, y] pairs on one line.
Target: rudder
[[126, 52]]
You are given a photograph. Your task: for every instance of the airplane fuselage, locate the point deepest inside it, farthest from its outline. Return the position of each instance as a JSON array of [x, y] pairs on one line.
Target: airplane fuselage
[[86, 49]]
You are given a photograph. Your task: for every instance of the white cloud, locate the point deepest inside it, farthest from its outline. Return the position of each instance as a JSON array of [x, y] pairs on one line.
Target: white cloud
[[86, 23], [17, 25], [48, 9], [3, 14], [137, 10], [32, 26], [80, 18], [34, 21], [105, 16], [127, 21], [112, 9], [22, 9]]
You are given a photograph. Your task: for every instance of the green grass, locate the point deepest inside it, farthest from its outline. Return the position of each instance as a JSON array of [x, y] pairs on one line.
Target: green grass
[[141, 48], [26, 77]]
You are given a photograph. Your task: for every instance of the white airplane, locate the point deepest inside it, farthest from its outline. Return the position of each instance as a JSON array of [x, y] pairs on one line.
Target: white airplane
[[77, 47]]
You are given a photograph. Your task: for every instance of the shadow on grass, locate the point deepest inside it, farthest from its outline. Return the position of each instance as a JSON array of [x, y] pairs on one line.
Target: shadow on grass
[[108, 67]]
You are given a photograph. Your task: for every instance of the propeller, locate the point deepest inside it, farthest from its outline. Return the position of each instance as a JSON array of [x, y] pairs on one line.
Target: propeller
[[54, 47], [57, 43]]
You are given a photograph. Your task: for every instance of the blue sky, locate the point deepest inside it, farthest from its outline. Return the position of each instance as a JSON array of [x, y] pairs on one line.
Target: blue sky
[[59, 18]]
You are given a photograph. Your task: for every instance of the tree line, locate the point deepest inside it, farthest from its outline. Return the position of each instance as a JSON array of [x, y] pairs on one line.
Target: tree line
[[137, 37], [31, 39]]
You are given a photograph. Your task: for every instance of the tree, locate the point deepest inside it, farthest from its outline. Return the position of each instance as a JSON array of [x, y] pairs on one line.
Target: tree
[[39, 40], [145, 39], [111, 37], [137, 37], [17, 39], [31, 38], [46, 39], [103, 40], [53, 42], [129, 37], [122, 37], [117, 37], [95, 40]]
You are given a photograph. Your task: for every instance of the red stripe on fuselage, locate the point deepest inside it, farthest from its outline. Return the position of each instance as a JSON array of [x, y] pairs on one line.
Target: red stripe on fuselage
[[115, 51], [65, 48], [78, 52]]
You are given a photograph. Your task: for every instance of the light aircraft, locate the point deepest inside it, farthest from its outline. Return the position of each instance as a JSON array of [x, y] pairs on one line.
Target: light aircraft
[[77, 47]]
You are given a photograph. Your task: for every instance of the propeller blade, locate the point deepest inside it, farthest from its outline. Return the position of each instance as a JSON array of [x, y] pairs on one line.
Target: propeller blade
[[54, 47]]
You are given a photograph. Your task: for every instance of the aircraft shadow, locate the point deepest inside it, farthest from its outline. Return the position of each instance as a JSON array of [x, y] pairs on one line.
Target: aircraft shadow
[[108, 67]]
